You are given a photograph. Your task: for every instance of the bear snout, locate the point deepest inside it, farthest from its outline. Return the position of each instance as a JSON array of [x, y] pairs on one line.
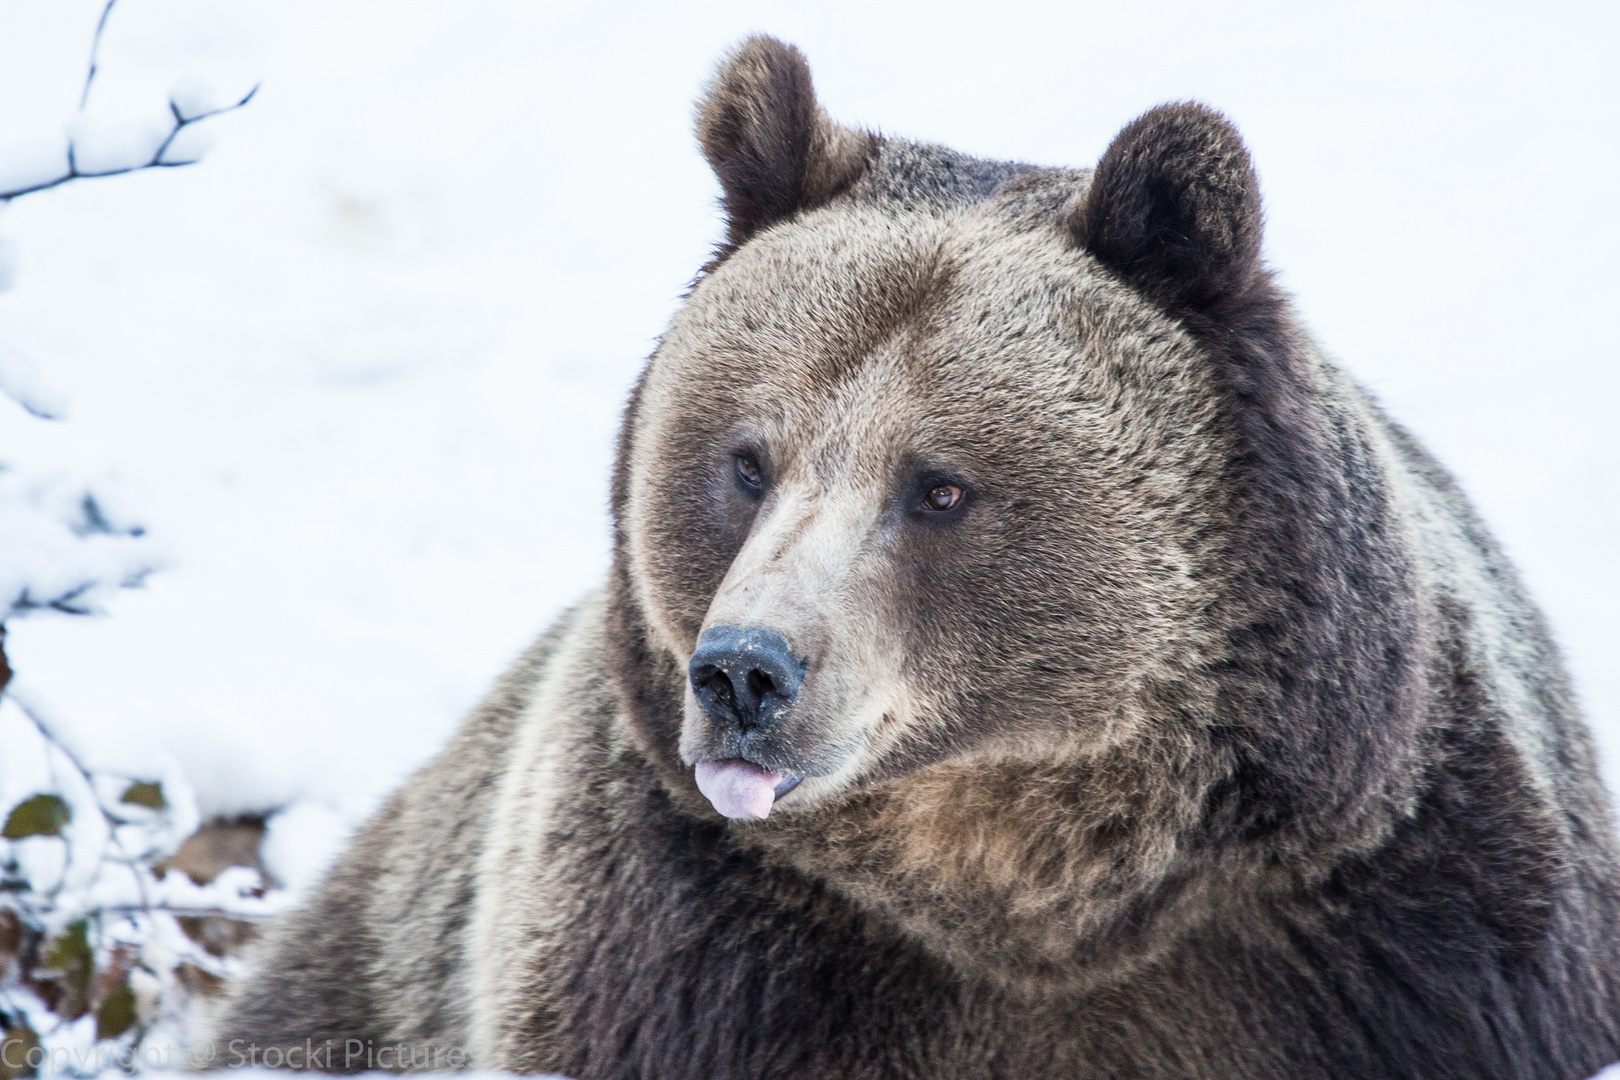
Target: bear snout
[[745, 677]]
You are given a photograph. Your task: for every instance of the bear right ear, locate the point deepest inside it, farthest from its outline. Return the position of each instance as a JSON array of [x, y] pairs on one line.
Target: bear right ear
[[773, 148], [1174, 208]]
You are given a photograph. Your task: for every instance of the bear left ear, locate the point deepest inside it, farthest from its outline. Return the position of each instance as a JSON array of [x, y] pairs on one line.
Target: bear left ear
[[773, 148], [1174, 208]]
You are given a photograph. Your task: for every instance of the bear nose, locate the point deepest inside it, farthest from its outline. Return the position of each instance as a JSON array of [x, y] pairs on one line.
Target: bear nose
[[746, 676]]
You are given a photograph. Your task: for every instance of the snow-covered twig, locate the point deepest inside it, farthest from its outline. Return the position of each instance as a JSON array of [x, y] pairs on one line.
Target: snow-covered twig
[[112, 820], [182, 120], [66, 543], [186, 107]]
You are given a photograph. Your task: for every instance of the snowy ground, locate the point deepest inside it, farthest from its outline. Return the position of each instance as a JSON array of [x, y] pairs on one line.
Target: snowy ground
[[360, 369]]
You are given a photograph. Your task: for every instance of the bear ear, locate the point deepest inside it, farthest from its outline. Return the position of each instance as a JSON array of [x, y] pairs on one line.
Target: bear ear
[[773, 148], [1174, 208]]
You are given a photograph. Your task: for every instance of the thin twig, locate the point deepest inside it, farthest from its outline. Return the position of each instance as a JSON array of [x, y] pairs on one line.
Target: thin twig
[[50, 737], [54, 743], [95, 53]]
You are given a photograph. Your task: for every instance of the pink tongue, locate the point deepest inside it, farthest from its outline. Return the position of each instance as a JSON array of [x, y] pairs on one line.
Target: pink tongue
[[738, 788]]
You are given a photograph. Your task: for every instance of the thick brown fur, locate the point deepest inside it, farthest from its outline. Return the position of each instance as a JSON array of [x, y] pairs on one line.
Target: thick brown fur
[[1209, 736]]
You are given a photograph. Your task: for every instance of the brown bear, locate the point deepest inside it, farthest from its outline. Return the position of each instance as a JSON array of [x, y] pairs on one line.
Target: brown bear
[[1025, 655]]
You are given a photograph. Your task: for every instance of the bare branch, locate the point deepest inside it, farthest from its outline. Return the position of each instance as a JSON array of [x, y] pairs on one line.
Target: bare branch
[[155, 162], [95, 53]]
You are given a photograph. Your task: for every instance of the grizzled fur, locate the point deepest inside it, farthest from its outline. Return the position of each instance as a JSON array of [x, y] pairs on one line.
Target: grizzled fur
[[1210, 736]]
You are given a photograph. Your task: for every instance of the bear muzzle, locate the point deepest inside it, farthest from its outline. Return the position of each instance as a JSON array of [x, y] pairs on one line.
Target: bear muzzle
[[745, 681]]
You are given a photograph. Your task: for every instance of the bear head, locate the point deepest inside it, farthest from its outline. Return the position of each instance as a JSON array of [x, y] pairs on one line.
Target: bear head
[[948, 467]]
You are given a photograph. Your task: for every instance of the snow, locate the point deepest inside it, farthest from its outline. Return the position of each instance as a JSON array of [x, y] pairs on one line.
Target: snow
[[63, 546], [100, 147], [191, 144], [32, 162], [22, 381], [193, 96], [360, 370], [300, 843]]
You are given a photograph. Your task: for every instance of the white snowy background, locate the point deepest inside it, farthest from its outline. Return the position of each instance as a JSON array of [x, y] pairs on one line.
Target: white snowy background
[[358, 372]]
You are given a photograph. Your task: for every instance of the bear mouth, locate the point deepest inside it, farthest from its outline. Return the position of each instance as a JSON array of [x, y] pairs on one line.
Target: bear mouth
[[741, 789]]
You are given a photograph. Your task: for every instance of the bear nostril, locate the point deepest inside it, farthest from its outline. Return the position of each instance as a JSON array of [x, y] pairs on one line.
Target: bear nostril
[[721, 686], [759, 683]]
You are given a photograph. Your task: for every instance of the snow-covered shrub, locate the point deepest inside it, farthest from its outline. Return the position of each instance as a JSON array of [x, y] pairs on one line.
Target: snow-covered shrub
[[63, 547], [103, 946]]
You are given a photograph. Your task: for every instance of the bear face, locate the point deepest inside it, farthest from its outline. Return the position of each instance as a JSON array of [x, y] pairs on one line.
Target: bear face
[[972, 458], [967, 477]]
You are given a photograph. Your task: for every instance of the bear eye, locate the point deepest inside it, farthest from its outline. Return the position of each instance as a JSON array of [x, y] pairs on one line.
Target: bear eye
[[748, 472], [942, 497]]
